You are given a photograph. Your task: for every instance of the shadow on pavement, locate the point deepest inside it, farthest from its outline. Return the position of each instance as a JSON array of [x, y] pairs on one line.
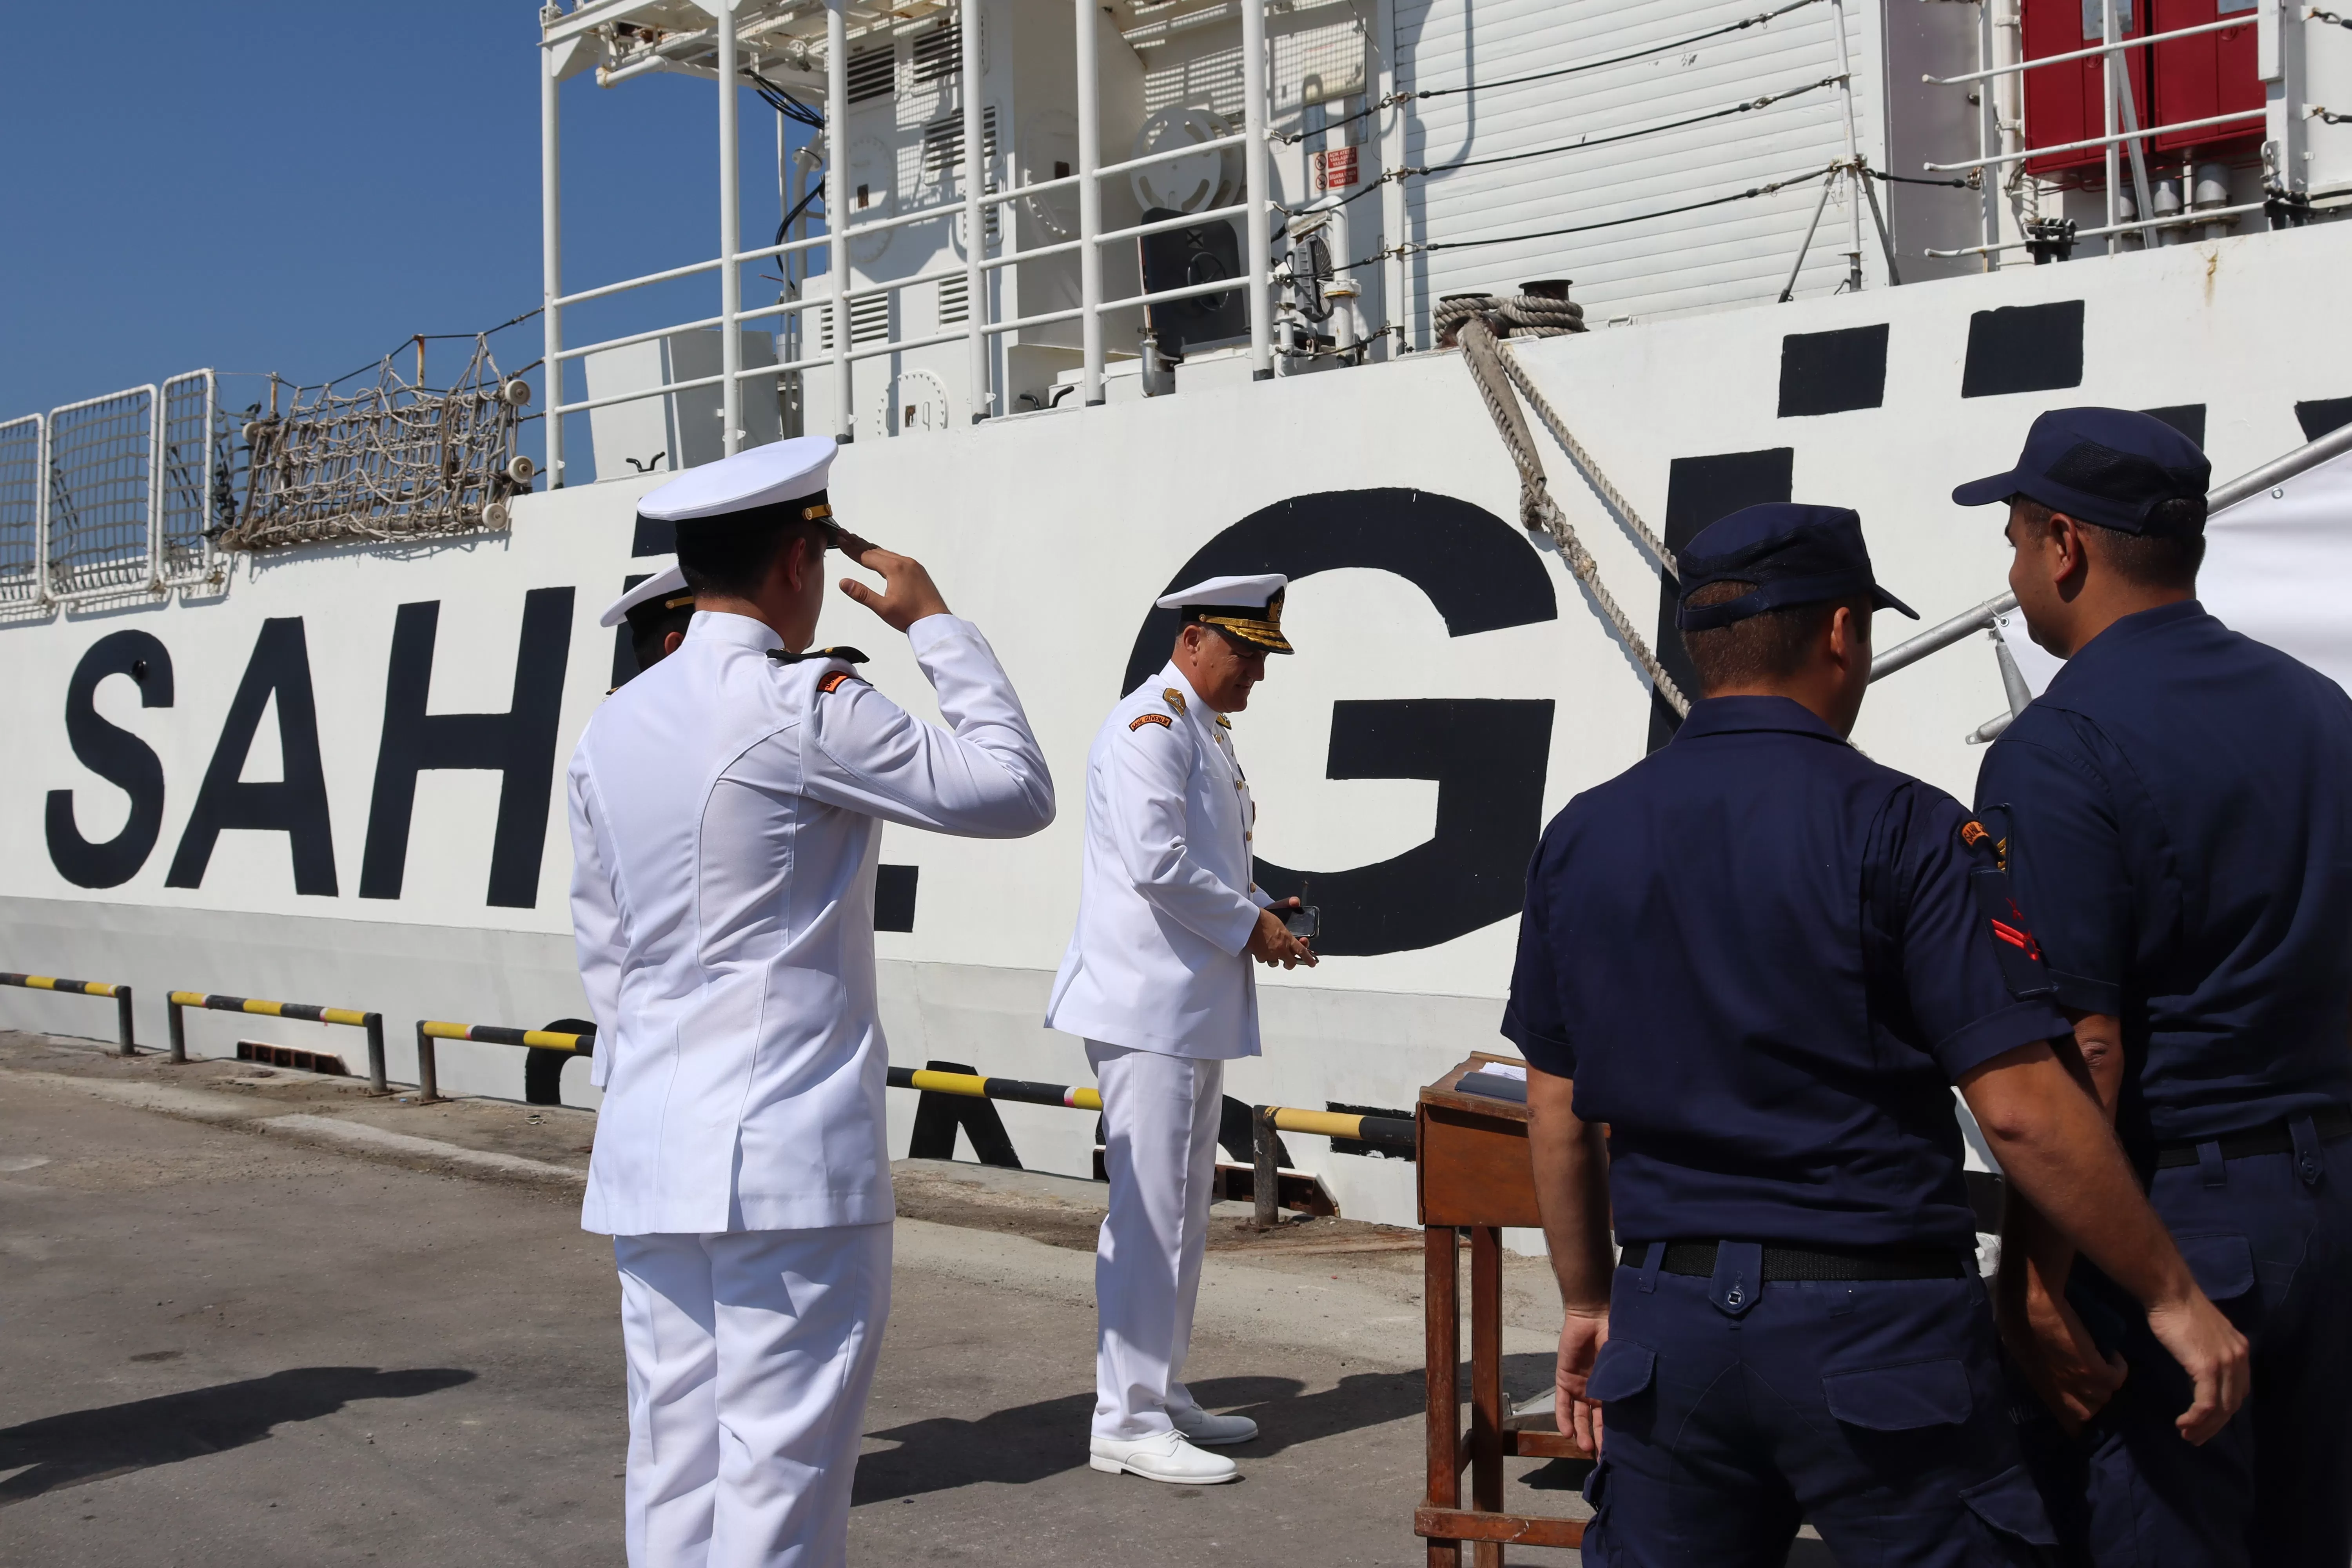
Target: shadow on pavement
[[116, 1439], [1030, 1442]]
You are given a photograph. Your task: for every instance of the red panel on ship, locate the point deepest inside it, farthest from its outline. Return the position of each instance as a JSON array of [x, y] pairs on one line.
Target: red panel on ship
[[2068, 104], [2212, 73]]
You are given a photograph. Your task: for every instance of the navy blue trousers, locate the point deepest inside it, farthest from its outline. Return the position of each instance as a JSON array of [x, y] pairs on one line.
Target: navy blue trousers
[[1877, 1412], [2273, 1490]]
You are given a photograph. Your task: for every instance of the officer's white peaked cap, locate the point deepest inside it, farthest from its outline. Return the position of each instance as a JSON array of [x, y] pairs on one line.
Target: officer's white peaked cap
[[1248, 607], [765, 476], [1254, 592], [660, 584]]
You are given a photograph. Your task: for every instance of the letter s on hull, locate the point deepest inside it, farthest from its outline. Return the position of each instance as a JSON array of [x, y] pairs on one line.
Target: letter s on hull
[[115, 755]]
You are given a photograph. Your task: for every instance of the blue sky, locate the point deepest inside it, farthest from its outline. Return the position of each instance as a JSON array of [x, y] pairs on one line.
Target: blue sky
[[298, 187]]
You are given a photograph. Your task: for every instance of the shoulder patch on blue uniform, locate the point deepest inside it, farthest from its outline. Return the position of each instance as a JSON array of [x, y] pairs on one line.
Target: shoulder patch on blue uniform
[[1979, 841], [1162, 719], [1173, 697], [2013, 944]]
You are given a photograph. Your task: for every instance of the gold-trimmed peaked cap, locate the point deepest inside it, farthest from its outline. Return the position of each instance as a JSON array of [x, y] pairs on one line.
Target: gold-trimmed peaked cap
[[1249, 608], [778, 483], [665, 590]]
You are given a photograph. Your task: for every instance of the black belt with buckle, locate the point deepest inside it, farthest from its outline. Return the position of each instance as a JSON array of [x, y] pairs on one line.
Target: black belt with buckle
[[1807, 1263], [2330, 1121]]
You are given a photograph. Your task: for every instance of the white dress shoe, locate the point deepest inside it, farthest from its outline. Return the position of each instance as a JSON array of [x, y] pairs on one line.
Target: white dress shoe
[[1162, 1457], [1198, 1427]]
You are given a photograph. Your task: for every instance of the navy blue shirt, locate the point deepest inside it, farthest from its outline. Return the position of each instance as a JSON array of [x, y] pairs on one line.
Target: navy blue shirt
[[1758, 953], [2180, 821]]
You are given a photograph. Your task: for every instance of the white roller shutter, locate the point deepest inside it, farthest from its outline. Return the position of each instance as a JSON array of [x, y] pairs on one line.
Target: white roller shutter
[[1656, 265]]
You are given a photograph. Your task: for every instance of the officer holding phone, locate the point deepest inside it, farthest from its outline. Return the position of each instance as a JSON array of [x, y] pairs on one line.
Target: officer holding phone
[[1158, 982]]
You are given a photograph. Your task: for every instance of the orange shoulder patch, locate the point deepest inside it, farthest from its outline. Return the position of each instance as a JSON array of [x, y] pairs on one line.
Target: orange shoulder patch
[[1972, 833], [835, 681], [1162, 719]]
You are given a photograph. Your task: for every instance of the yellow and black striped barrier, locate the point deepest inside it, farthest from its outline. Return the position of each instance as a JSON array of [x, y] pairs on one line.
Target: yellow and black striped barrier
[[121, 994], [428, 1072], [371, 1022], [974, 1086], [1391, 1136]]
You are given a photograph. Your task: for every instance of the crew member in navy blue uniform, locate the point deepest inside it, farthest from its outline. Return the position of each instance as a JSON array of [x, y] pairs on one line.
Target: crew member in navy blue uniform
[[2180, 823], [1763, 960]]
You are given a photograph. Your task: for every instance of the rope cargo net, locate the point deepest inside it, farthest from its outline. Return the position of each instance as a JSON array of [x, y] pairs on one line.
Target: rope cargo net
[[396, 460]]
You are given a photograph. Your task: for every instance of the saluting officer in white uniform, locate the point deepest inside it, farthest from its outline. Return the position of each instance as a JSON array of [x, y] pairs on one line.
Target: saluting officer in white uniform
[[1158, 982], [725, 808]]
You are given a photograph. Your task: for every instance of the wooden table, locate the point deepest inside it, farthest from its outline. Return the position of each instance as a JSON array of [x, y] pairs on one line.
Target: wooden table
[[1475, 1175]]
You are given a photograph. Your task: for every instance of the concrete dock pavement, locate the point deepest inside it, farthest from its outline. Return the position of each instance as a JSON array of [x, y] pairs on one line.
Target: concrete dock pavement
[[256, 1318]]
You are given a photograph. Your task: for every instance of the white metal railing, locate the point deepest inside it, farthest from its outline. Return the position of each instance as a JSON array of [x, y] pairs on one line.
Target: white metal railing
[[2088, 143], [100, 477], [2129, 225], [979, 324], [188, 466], [24, 507], [2094, 52], [111, 495]]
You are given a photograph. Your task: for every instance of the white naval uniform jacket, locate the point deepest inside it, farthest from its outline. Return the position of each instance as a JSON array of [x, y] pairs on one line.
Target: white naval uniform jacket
[[723, 834], [1167, 901]]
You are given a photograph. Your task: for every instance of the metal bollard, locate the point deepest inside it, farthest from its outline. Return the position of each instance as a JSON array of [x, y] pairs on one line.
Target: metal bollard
[[1265, 1183], [123, 1020], [179, 1031], [428, 1068], [377, 1082]]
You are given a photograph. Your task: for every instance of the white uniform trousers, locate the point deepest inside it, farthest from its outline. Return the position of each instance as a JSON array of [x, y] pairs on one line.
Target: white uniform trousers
[[1160, 1115], [750, 1356]]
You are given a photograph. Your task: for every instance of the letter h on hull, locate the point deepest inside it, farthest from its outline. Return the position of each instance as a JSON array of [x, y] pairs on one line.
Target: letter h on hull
[[519, 744]]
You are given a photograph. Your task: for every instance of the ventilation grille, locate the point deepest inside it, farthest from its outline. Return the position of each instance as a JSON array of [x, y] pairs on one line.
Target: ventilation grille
[[872, 72], [943, 141], [955, 300], [870, 319], [935, 55]]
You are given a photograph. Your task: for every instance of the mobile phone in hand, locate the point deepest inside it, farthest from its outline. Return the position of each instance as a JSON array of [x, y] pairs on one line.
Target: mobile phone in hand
[[1305, 923]]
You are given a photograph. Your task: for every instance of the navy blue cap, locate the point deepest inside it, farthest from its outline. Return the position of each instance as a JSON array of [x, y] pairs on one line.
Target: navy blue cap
[[2104, 466], [1794, 554]]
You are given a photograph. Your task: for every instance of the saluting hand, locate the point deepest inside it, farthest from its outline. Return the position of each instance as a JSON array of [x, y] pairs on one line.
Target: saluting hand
[[908, 592], [1271, 942]]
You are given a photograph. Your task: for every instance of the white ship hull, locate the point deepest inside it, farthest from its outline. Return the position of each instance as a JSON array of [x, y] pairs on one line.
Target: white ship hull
[[1054, 532]]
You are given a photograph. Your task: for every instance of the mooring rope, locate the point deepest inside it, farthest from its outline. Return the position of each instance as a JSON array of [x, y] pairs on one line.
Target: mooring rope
[[1496, 372]]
